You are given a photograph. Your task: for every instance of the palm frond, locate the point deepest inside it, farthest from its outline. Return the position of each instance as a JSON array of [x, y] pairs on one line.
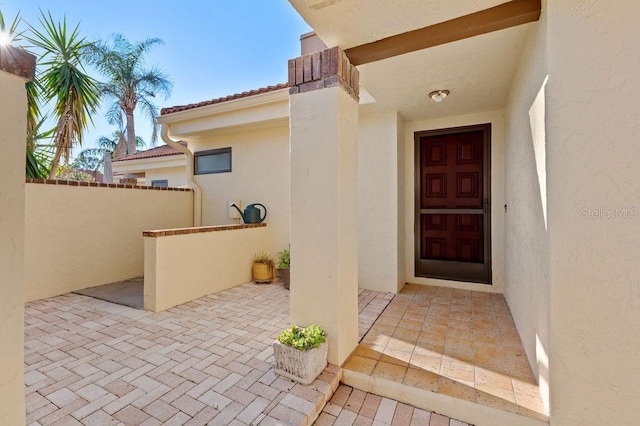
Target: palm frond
[[140, 143], [35, 167], [106, 143], [114, 115], [75, 94], [10, 28], [33, 89], [90, 159]]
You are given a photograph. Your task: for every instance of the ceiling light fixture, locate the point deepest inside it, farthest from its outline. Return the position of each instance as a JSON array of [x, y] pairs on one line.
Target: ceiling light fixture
[[439, 95]]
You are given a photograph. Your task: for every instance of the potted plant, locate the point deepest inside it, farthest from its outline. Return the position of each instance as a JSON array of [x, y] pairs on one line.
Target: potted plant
[[284, 263], [300, 353], [262, 268]]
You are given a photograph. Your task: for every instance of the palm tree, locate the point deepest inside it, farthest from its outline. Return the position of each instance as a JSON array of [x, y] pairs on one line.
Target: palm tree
[[74, 93], [93, 158], [131, 83]]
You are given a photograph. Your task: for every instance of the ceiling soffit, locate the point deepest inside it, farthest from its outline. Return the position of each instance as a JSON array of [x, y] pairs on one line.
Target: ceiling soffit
[[349, 23]]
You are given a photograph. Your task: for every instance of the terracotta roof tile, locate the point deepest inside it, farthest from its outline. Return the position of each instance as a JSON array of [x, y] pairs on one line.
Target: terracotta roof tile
[[159, 151], [267, 89]]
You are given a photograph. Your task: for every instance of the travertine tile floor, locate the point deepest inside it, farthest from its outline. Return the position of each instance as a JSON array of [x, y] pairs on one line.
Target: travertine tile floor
[[90, 362], [454, 342]]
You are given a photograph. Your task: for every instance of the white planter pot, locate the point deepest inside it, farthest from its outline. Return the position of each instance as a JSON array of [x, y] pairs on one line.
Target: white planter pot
[[300, 366]]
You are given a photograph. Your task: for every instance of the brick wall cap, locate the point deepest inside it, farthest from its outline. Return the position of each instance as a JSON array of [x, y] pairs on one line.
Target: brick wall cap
[[200, 230], [100, 185]]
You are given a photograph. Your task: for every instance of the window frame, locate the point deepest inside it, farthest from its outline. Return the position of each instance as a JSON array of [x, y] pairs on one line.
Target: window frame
[[154, 181], [216, 151]]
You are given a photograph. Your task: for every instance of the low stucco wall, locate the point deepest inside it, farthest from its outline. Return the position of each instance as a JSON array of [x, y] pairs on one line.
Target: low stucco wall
[[83, 236], [184, 264]]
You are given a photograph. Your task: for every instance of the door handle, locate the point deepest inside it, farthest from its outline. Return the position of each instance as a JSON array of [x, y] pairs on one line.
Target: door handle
[[486, 205]]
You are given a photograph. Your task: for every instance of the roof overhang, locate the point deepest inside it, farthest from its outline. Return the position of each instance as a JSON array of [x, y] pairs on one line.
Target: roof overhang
[[258, 110], [143, 164], [349, 23]]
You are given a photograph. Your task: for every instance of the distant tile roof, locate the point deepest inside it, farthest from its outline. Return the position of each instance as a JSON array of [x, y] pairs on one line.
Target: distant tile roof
[[159, 151], [267, 89]]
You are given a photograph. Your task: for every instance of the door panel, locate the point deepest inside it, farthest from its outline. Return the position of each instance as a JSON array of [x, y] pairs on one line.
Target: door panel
[[455, 237], [452, 199]]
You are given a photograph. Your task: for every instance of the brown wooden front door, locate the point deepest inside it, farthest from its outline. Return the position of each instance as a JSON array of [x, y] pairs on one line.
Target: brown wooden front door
[[453, 233]]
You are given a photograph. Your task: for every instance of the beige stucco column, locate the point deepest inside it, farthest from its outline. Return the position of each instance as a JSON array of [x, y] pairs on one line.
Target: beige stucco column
[[323, 125], [16, 68]]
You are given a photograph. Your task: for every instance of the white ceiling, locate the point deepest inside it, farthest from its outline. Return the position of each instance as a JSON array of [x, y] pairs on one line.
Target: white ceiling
[[348, 23], [478, 71]]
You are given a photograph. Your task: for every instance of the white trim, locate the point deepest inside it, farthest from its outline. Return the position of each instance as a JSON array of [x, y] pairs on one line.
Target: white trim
[[248, 102], [151, 163]]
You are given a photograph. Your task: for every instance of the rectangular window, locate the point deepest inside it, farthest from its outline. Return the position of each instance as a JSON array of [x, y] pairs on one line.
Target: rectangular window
[[161, 183], [213, 161]]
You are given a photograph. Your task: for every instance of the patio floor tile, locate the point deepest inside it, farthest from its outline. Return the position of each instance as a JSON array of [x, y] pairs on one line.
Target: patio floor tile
[[466, 347]]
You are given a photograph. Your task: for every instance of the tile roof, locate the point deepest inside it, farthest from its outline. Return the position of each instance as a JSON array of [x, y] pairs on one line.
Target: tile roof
[[159, 151], [267, 89]]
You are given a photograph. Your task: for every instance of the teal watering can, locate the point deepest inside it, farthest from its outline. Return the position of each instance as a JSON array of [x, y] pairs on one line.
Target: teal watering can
[[251, 213]]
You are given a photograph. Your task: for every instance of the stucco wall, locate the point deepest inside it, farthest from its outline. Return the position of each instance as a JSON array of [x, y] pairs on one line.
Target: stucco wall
[[593, 158], [497, 196], [378, 187], [175, 175], [526, 237], [181, 268], [13, 114], [260, 174], [79, 237]]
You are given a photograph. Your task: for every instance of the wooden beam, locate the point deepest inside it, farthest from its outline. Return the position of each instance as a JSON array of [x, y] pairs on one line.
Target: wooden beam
[[506, 15]]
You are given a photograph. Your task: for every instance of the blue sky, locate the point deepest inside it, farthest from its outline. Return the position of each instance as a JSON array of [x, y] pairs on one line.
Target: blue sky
[[212, 47]]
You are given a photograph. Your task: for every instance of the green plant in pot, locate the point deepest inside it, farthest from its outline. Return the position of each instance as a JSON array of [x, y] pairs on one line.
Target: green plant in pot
[[284, 265], [262, 268], [300, 353]]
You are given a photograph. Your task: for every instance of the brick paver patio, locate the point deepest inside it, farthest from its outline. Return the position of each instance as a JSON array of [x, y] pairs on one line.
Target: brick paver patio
[[350, 406], [90, 362]]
